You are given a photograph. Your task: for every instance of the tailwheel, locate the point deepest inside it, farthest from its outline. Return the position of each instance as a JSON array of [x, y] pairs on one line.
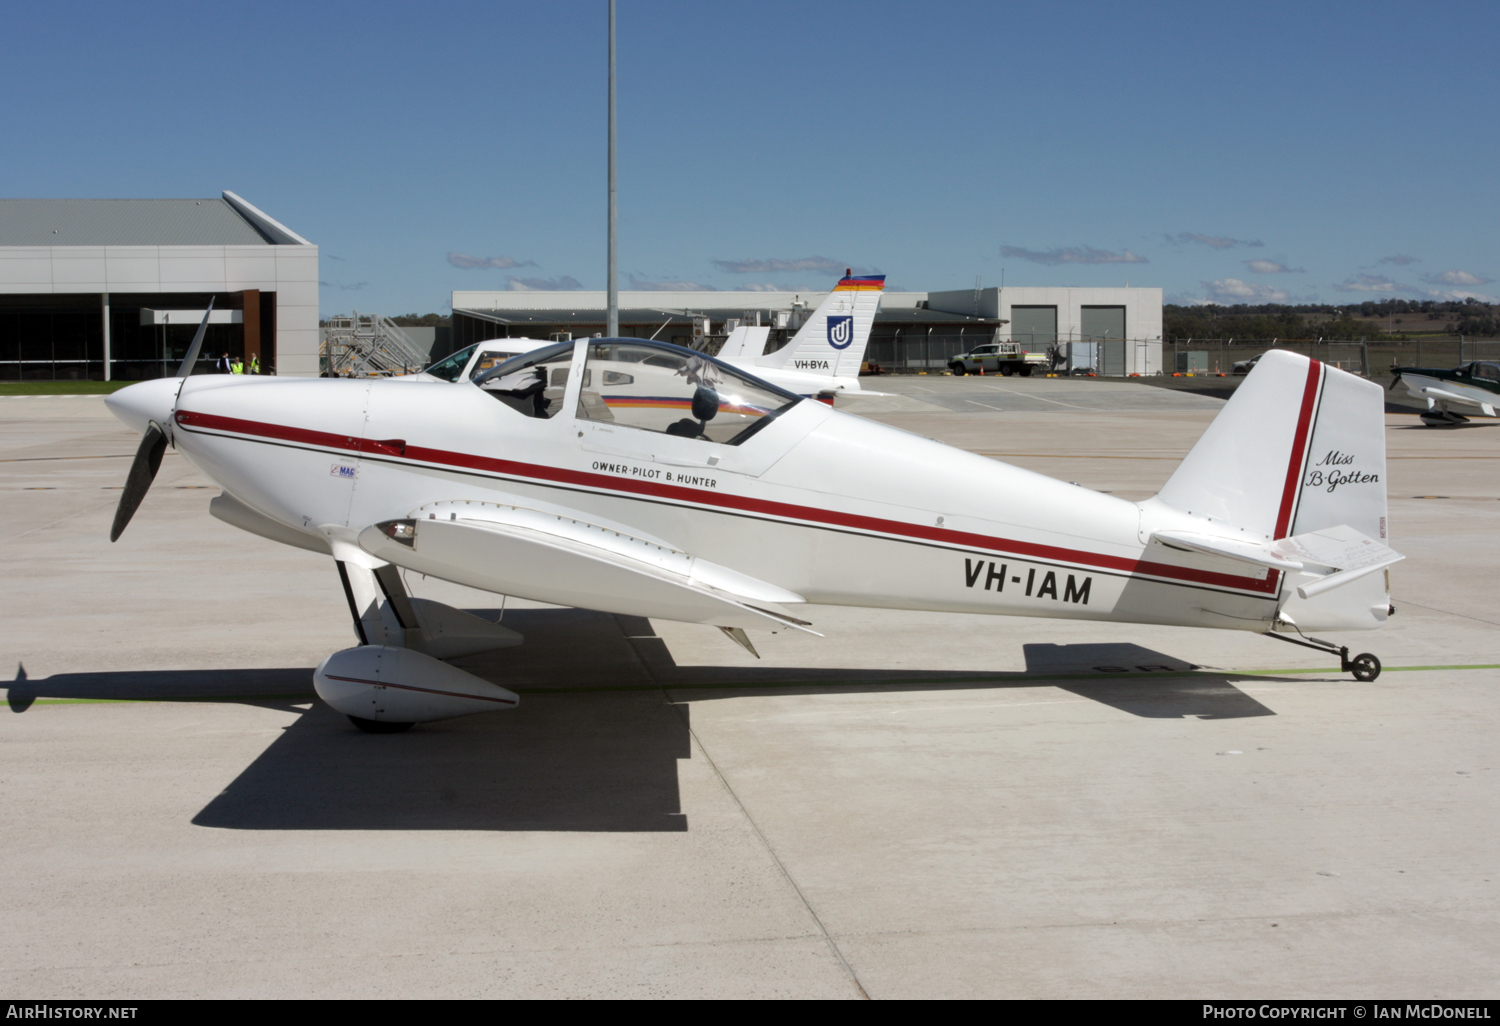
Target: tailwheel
[[386, 727], [1364, 666]]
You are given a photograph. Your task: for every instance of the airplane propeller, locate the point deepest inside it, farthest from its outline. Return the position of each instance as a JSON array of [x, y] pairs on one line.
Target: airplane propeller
[[153, 444]]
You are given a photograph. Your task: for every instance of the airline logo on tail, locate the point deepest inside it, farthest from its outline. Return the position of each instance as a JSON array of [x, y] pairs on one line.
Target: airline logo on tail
[[840, 332]]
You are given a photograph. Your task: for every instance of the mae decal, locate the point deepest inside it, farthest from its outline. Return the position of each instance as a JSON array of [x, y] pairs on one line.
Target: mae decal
[[344, 471], [840, 332]]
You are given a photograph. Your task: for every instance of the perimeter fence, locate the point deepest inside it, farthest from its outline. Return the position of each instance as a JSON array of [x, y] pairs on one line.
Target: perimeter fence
[[921, 352], [1372, 359]]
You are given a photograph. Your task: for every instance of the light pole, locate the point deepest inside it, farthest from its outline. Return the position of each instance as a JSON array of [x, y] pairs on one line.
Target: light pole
[[612, 316]]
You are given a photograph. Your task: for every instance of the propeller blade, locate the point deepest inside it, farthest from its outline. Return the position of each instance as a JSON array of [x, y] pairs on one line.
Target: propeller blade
[[142, 472], [192, 353]]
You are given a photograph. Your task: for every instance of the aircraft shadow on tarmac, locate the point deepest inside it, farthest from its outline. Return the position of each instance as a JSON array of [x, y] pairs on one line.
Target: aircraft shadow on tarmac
[[605, 717]]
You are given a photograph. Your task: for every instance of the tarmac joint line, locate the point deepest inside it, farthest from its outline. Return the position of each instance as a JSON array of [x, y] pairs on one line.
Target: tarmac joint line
[[781, 866]]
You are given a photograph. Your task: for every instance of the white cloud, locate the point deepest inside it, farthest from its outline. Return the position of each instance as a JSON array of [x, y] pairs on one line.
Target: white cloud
[[641, 285], [1456, 278], [1272, 267], [1399, 259], [1374, 283], [500, 263], [1216, 241], [780, 265], [1233, 290], [1380, 284], [562, 283], [766, 286], [1072, 255]]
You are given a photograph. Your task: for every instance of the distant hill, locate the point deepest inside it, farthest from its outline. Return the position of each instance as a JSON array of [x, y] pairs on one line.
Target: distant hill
[[1390, 319]]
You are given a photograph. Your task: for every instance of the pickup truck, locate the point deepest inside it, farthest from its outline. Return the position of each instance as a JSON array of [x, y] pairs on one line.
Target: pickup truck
[[1005, 357]]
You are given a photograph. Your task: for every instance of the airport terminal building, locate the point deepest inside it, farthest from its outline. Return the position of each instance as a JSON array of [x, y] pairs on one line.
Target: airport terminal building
[[1112, 331], [106, 289]]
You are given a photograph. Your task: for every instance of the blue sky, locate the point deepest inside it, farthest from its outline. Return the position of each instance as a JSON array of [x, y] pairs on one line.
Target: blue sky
[[1330, 152]]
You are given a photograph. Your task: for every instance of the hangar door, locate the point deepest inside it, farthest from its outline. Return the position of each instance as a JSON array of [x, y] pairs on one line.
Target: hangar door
[[1035, 327], [1106, 325]]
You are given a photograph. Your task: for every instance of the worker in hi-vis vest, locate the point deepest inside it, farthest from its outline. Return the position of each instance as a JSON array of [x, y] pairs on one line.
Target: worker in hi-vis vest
[[236, 366], [254, 363]]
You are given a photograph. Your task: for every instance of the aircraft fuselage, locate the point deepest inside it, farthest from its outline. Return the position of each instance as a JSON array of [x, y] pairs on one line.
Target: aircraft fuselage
[[836, 508]]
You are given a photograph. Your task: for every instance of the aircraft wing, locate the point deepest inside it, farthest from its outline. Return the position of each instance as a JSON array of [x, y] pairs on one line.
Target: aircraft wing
[[572, 561], [1454, 397]]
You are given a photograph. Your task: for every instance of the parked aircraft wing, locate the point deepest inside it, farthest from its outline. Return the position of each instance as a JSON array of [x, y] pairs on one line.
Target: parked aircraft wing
[[1454, 397], [547, 557]]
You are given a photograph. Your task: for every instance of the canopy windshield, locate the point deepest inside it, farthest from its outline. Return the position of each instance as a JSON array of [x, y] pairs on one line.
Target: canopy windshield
[[654, 386]]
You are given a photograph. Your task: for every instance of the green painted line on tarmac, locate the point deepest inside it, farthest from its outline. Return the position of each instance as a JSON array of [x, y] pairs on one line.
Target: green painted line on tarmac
[[206, 698], [990, 679], [771, 685]]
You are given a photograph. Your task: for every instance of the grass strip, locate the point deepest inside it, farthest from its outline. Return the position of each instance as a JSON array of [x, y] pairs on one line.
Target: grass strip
[[61, 387]]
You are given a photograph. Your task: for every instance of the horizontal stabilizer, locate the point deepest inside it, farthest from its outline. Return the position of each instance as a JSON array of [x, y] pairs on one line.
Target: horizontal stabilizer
[[529, 553], [1258, 553], [1347, 554], [1339, 554]]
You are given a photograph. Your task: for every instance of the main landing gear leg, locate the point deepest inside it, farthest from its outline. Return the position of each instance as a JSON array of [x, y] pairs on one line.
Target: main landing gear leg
[[363, 588], [1364, 666]]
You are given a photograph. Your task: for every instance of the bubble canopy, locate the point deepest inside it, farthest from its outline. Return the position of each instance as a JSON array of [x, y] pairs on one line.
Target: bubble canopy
[[650, 386]]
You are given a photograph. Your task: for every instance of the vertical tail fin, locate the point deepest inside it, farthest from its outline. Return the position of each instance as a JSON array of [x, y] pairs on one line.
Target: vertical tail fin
[[833, 339], [1298, 452], [746, 342], [1300, 447]]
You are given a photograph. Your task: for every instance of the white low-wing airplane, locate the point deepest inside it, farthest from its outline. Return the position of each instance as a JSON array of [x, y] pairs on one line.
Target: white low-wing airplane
[[823, 357], [641, 478], [826, 352], [1474, 388]]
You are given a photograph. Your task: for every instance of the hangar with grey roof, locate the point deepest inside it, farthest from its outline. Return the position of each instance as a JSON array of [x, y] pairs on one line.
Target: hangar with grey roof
[[1112, 331], [114, 289]]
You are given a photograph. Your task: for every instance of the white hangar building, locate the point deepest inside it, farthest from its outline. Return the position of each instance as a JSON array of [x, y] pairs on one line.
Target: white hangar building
[[1113, 331], [114, 289]]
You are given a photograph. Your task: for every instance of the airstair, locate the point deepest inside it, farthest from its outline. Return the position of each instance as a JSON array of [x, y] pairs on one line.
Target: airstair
[[362, 345]]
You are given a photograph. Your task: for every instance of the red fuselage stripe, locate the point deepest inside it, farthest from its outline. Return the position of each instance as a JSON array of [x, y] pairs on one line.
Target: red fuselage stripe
[[1299, 448], [703, 497]]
